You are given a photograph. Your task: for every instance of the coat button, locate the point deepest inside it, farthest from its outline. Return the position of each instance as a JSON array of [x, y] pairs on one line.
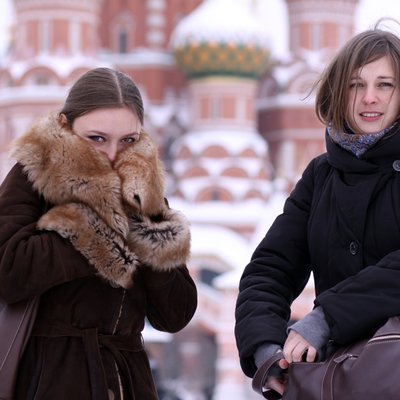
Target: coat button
[[396, 165], [353, 248]]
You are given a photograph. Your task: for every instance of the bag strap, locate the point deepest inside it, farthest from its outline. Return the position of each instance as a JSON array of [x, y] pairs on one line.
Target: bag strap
[[261, 375]]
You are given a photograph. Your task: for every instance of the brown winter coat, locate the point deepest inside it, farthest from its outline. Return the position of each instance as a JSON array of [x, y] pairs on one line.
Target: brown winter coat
[[104, 251]]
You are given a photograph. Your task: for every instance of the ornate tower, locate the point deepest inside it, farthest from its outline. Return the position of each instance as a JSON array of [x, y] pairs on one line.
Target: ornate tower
[[134, 35], [319, 25], [286, 101], [221, 158], [54, 43], [57, 28], [221, 162]]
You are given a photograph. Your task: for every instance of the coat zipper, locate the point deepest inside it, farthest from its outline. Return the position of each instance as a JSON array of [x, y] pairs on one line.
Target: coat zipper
[[121, 392], [119, 312]]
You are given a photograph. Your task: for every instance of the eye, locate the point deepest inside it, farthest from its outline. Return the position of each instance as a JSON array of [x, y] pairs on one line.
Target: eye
[[130, 139], [386, 85], [96, 138], [354, 85]]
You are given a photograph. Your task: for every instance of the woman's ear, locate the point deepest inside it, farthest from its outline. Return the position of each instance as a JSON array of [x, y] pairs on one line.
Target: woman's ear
[[62, 119]]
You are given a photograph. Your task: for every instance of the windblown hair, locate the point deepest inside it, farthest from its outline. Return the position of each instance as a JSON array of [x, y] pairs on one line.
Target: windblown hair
[[102, 88], [366, 47]]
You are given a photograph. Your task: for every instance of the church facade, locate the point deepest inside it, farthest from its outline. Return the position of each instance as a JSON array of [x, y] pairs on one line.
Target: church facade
[[235, 126]]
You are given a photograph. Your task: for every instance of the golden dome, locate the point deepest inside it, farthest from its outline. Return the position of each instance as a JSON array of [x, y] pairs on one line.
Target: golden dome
[[221, 37]]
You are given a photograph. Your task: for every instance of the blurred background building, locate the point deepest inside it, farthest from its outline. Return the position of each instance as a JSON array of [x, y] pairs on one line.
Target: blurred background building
[[235, 126]]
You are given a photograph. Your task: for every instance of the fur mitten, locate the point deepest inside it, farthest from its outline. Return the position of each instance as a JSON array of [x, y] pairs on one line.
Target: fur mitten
[[162, 242], [142, 177], [104, 248]]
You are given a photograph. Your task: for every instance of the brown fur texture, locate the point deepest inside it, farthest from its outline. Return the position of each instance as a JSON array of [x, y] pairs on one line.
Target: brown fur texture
[[164, 237], [64, 168], [98, 206], [104, 247], [142, 177]]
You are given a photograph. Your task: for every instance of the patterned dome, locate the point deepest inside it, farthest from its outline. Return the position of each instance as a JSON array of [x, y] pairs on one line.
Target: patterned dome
[[221, 37]]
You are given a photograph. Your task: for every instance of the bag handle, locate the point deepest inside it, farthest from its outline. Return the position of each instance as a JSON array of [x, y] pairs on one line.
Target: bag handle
[[261, 375]]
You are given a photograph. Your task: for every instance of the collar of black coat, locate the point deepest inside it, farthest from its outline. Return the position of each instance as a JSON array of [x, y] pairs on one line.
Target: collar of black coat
[[380, 157]]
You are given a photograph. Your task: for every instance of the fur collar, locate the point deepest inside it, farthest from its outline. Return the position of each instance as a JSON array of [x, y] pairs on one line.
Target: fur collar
[[64, 168], [109, 212]]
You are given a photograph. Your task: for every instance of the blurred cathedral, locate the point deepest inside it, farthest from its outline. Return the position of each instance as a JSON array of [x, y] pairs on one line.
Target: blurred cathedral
[[235, 126]]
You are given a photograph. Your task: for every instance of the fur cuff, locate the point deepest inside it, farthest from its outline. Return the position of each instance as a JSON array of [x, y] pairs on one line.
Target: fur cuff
[[104, 248], [142, 177], [162, 242]]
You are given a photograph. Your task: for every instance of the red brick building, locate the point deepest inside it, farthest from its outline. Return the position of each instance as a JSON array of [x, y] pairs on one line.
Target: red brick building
[[235, 126]]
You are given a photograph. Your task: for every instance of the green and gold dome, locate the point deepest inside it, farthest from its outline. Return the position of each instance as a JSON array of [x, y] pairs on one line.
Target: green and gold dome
[[221, 37]]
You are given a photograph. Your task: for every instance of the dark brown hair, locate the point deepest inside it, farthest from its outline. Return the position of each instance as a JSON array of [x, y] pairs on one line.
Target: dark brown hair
[[102, 88], [332, 94]]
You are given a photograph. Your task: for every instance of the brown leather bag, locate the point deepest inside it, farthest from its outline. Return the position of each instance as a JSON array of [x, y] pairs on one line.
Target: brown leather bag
[[16, 322], [366, 370]]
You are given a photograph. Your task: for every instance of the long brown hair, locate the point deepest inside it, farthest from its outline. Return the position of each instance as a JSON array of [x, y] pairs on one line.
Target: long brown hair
[[332, 94], [102, 88]]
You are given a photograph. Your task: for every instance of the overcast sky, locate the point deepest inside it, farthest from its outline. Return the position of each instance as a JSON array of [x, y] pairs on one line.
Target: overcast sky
[[273, 11]]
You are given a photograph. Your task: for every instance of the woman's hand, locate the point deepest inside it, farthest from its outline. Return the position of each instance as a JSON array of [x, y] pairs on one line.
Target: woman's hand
[[278, 383], [294, 350], [297, 349]]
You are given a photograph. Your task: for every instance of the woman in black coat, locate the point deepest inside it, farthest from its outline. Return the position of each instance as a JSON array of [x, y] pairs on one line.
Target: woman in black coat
[[341, 222]]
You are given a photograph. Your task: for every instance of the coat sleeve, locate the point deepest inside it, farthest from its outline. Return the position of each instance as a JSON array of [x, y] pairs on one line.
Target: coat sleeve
[[358, 305], [277, 273], [31, 261], [171, 296]]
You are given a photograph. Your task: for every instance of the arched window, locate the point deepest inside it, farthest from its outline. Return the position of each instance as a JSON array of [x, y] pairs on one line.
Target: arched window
[[122, 41], [122, 31]]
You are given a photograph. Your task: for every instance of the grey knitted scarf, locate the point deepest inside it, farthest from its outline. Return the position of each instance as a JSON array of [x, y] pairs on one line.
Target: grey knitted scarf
[[357, 143]]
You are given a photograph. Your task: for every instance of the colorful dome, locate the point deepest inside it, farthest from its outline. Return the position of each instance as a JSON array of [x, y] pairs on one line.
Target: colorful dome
[[221, 37]]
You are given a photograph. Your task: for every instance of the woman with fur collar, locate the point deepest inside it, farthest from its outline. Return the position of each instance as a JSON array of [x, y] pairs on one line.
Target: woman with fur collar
[[84, 225]]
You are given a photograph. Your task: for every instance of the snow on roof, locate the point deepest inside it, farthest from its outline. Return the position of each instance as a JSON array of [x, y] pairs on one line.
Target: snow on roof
[[141, 56], [208, 220], [227, 245], [34, 93], [160, 115], [63, 66], [238, 187], [221, 21], [234, 139], [219, 213], [210, 237]]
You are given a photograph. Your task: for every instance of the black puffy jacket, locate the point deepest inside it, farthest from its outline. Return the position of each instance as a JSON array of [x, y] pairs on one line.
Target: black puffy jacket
[[342, 223]]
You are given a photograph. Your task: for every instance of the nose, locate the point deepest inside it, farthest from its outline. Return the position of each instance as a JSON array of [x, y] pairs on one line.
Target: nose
[[111, 151], [370, 96]]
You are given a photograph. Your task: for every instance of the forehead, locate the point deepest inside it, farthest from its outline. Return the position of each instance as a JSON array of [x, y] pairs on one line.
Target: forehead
[[110, 112], [108, 120], [382, 67]]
